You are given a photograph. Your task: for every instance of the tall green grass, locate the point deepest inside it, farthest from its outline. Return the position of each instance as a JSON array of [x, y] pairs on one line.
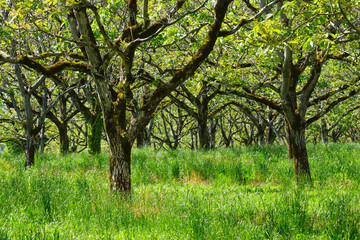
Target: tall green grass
[[242, 193]]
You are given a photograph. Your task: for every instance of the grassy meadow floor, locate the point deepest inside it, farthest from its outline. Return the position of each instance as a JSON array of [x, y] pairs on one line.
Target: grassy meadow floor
[[243, 193]]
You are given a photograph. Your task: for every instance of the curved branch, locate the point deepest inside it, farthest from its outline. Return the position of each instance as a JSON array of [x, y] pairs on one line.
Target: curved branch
[[246, 21], [357, 30], [254, 97], [331, 106]]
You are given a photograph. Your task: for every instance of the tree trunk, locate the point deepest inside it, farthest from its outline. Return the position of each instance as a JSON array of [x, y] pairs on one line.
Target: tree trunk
[[63, 138], [270, 136], [94, 134], [261, 135], [204, 137], [30, 149], [298, 153], [29, 129], [120, 159], [192, 144], [63, 128], [140, 139], [42, 119], [143, 139], [203, 113], [324, 131], [147, 132], [29, 121], [213, 126]]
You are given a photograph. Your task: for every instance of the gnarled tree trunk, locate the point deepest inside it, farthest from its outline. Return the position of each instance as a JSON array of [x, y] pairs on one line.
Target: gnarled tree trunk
[[298, 151], [120, 160], [204, 137], [94, 134], [63, 138]]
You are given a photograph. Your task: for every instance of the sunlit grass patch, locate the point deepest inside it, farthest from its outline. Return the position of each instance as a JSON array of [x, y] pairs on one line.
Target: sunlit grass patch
[[5, 166]]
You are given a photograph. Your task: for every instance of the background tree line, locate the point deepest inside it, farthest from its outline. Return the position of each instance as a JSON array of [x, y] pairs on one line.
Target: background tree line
[[189, 74]]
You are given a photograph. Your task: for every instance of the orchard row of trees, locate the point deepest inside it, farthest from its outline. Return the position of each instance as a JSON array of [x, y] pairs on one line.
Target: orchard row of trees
[[198, 74]]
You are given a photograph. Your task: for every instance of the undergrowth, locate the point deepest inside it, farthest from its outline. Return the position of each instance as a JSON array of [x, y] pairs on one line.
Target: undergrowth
[[242, 193]]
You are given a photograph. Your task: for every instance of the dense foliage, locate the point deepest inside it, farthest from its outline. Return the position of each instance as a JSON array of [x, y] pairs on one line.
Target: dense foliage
[[190, 74]]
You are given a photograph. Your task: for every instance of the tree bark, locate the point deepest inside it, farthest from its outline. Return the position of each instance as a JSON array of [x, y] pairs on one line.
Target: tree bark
[[30, 149], [120, 160], [42, 119], [94, 134], [203, 115], [297, 146], [63, 138], [213, 127], [140, 142], [270, 134], [324, 131], [204, 137], [30, 133], [63, 126], [261, 135]]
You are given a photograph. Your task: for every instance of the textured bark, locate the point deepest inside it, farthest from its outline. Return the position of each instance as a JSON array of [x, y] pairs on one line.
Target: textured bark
[[213, 127], [94, 134], [30, 133], [143, 139], [42, 119], [63, 127], [140, 140], [30, 150], [261, 135], [120, 160], [203, 115], [204, 137], [270, 134], [63, 138], [324, 131], [297, 145], [29, 121]]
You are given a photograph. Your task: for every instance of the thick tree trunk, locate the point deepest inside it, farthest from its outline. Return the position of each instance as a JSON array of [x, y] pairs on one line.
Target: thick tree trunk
[[298, 153], [204, 137], [203, 115], [140, 140], [94, 134], [63, 139], [143, 139], [270, 136], [261, 135], [30, 149], [261, 127], [270, 133], [192, 144], [120, 161], [29, 121], [147, 132], [29, 129]]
